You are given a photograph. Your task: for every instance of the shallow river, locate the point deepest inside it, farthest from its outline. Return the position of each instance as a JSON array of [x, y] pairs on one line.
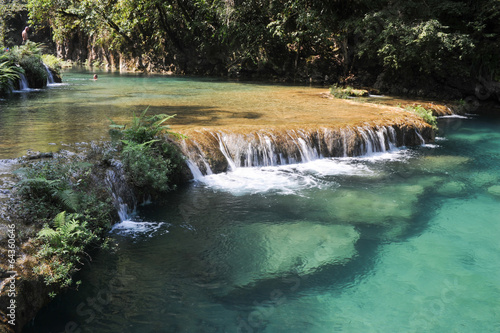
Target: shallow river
[[404, 241], [79, 110]]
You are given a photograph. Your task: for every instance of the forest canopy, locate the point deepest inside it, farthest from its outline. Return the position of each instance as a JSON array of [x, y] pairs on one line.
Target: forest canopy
[[404, 40]]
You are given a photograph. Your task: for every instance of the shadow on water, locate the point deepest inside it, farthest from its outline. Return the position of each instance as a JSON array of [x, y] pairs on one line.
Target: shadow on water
[[332, 278], [198, 115], [292, 285]]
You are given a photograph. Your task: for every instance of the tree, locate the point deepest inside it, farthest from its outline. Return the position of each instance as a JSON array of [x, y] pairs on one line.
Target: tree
[[434, 38], [9, 10], [402, 38]]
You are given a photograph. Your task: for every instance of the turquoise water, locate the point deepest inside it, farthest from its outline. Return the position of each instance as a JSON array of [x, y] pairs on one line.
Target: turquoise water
[[405, 241]]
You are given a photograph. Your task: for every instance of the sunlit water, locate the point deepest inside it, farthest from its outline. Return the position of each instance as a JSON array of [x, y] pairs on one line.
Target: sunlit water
[[79, 110], [405, 241]]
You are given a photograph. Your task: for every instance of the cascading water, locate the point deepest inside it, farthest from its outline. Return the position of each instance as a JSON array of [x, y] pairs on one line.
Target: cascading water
[[50, 77], [221, 151], [422, 140], [23, 82], [123, 196]]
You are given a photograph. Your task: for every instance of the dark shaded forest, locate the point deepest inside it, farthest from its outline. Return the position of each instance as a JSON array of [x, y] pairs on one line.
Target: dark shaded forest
[[435, 48]]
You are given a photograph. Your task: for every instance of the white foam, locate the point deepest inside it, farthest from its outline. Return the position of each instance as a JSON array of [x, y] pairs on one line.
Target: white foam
[[26, 90], [293, 178], [396, 154], [290, 179], [49, 85], [259, 180], [134, 229], [454, 116], [333, 167]]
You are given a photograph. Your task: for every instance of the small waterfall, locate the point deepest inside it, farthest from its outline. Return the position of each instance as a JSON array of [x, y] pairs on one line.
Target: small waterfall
[[379, 139], [421, 138], [196, 161], [50, 77], [392, 137], [195, 171], [23, 82], [223, 148], [123, 196], [221, 151]]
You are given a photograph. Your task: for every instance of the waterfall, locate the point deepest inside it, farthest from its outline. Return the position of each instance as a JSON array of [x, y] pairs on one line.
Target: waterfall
[[223, 148], [23, 83], [221, 151], [392, 137], [195, 171], [377, 139], [50, 77], [123, 196], [420, 137]]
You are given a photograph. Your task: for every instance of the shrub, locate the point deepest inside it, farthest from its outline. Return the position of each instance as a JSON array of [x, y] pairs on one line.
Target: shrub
[[347, 92], [151, 167], [48, 187], [64, 184], [425, 114], [35, 71], [28, 56], [152, 162], [45, 187]]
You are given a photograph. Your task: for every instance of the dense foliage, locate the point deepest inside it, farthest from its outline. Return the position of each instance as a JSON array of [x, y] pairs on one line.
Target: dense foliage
[[425, 114], [347, 92], [10, 11], [286, 38], [63, 184]]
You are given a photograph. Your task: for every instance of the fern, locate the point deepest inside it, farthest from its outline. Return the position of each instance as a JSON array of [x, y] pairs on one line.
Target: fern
[[48, 234], [152, 164], [425, 114], [143, 128], [9, 73], [60, 219], [41, 187], [69, 199], [63, 246]]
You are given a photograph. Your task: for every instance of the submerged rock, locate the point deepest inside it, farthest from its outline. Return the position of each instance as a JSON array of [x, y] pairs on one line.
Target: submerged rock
[[452, 189], [481, 179], [298, 247], [441, 164], [494, 190], [375, 206]]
